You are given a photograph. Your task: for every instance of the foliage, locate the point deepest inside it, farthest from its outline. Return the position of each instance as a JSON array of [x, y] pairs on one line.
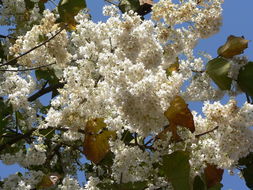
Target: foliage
[[119, 96]]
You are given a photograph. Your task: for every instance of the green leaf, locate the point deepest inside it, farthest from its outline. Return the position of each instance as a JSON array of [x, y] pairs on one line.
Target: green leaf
[[198, 183], [68, 9], [216, 187], [5, 114], [247, 172], [127, 137], [127, 5], [47, 75], [139, 185], [248, 175], [176, 168], [245, 78], [248, 160], [30, 5], [218, 69]]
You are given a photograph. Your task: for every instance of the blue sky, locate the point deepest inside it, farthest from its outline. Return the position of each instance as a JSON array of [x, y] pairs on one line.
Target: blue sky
[[237, 20]]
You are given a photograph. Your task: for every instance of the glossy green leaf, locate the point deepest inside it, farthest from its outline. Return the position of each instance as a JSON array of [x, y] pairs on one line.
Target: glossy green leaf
[[68, 9], [218, 69], [245, 78], [176, 168]]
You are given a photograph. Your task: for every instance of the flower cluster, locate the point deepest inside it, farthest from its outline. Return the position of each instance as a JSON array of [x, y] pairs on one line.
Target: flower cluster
[[55, 51], [126, 71]]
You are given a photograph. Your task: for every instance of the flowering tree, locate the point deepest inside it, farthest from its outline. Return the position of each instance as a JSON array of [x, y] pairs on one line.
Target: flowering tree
[[119, 91]]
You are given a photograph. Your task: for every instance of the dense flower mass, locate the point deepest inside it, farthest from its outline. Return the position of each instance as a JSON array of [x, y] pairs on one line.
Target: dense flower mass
[[127, 71]]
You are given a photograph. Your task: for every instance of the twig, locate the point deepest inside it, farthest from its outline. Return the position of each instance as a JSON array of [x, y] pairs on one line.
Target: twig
[[36, 47], [201, 134], [26, 69], [111, 3], [18, 137], [53, 3], [248, 98], [3, 36], [195, 71]]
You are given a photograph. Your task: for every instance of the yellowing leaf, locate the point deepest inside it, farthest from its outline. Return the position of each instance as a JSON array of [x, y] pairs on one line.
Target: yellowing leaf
[[179, 114], [213, 175], [68, 9], [48, 181], [96, 142], [173, 67], [233, 46]]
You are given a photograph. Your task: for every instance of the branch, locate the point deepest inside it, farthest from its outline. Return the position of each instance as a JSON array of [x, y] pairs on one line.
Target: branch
[[26, 69], [195, 71], [111, 3], [249, 98], [144, 9], [202, 134], [45, 91], [17, 138], [36, 47], [3, 36]]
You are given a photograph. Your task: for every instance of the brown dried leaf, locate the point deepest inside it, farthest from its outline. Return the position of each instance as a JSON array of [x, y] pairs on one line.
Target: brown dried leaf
[[96, 141], [233, 46], [213, 175]]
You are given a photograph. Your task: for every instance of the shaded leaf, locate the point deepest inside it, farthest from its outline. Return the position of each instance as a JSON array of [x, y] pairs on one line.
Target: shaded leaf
[[245, 78], [198, 183], [127, 5], [127, 137], [247, 171], [233, 46], [218, 186], [96, 142], [141, 7], [176, 168], [218, 69], [139, 185], [248, 175], [68, 9], [213, 175], [248, 160], [48, 181]]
